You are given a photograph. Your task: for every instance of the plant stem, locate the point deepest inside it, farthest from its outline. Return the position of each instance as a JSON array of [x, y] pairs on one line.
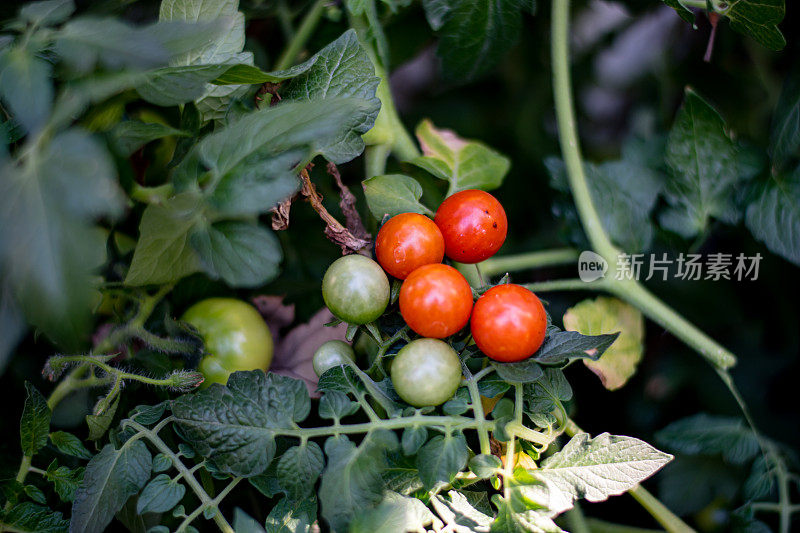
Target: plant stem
[[300, 38], [481, 425], [568, 133], [564, 285], [630, 290], [152, 195], [577, 521], [375, 160], [453, 422], [658, 510], [669, 520], [526, 261], [601, 526]]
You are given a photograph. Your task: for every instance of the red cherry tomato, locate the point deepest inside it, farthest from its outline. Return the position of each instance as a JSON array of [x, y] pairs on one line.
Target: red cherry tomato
[[508, 323], [406, 242], [474, 225], [436, 301]]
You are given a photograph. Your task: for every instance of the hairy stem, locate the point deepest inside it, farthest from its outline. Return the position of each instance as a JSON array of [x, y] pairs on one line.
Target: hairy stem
[[545, 258], [480, 419]]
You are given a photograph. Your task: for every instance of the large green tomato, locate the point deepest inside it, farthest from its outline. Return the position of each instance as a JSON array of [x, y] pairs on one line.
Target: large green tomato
[[330, 354], [355, 288], [235, 336], [426, 372]]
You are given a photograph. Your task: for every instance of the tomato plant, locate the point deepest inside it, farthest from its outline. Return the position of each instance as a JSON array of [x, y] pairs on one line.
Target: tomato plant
[[436, 301], [385, 266], [408, 241]]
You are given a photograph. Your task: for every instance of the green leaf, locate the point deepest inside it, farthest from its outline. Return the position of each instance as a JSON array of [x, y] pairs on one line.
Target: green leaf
[[233, 425], [774, 216], [762, 479], [86, 42], [704, 170], [395, 513], [589, 468], [69, 444], [465, 164], [785, 133], [336, 405], [344, 379], [605, 315], [162, 462], [130, 135], [759, 19], [26, 87], [441, 458], [111, 477], [457, 509], [625, 193], [50, 202], [412, 439], [35, 493], [352, 481], [704, 434], [526, 371], [100, 422], [561, 346], [544, 394], [484, 465], [682, 10], [241, 254], [298, 470], [160, 495], [509, 520], [244, 523], [292, 517], [65, 480], [689, 484], [474, 34], [226, 47], [34, 426], [341, 69], [28, 516], [47, 12], [392, 194], [163, 253]]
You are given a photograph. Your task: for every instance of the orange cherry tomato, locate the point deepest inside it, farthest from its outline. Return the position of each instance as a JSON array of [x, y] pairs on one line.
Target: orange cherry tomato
[[508, 323], [474, 225], [436, 301], [406, 242]]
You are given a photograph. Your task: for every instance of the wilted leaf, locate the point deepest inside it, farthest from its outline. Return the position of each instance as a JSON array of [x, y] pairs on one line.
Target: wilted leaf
[[605, 315]]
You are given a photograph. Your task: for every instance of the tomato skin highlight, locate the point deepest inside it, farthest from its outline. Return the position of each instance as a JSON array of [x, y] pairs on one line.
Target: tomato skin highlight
[[330, 354], [355, 289], [508, 323], [235, 337], [426, 372], [406, 242], [473, 224], [436, 301]]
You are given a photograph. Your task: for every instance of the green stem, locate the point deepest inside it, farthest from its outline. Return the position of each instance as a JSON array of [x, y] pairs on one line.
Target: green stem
[[527, 261], [577, 521], [669, 520], [568, 133], [299, 40], [206, 501], [451, 422], [630, 290], [480, 419], [375, 159], [564, 285], [152, 195], [601, 526]]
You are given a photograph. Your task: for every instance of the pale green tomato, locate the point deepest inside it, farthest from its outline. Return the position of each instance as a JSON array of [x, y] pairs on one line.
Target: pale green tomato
[[355, 288], [235, 337], [331, 354], [426, 372]]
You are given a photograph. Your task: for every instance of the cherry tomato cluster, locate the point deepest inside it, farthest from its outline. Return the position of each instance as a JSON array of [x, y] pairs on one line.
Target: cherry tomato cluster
[[507, 322]]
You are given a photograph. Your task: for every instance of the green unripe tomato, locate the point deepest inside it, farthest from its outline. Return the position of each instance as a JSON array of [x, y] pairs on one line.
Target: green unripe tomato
[[235, 336], [331, 354], [355, 288], [426, 372]]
